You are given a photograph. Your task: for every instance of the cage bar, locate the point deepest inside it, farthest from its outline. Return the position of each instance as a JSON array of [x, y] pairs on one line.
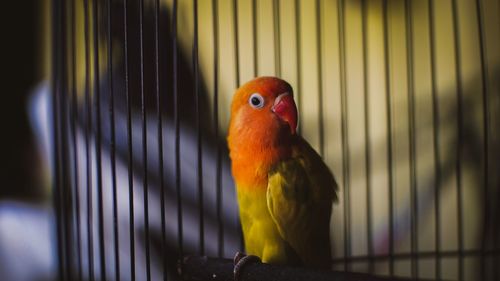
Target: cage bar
[[64, 140], [238, 83], [199, 169], [98, 139], [389, 137], [58, 187], [180, 228], [319, 49], [255, 39], [159, 110], [74, 117], [112, 142], [298, 39], [218, 181], [144, 142], [88, 130], [236, 44], [276, 36], [486, 124], [460, 137], [437, 151], [411, 136], [345, 139], [130, 156], [420, 255], [368, 168]]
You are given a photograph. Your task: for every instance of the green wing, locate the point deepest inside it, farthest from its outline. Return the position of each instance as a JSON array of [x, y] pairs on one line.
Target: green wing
[[299, 198]]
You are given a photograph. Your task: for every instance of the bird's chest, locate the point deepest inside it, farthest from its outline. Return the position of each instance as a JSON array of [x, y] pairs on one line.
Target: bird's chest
[[260, 233]]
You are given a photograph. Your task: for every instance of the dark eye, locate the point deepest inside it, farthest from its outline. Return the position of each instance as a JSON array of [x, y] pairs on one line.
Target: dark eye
[[256, 100]]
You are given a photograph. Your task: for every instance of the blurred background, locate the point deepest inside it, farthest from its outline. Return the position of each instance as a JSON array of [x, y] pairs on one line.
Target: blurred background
[[22, 60], [116, 163]]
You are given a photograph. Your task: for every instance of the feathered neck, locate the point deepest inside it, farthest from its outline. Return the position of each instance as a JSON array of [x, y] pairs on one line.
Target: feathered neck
[[254, 152]]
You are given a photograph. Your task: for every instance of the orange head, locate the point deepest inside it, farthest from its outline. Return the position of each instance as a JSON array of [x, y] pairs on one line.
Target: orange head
[[263, 122], [265, 103]]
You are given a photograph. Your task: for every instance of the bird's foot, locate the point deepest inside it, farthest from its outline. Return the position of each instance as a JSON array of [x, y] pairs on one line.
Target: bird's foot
[[240, 260]]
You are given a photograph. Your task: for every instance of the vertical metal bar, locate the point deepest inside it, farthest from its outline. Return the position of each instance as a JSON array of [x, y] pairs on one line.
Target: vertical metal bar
[[160, 139], [236, 42], [63, 123], [486, 116], [129, 142], [496, 233], [56, 88], [437, 157], [389, 136], [299, 63], [411, 137], [177, 135], [199, 170], [237, 82], [369, 218], [496, 249], [460, 138], [319, 49], [276, 37], [73, 123], [220, 233], [255, 39], [112, 144], [97, 106], [144, 143], [345, 136], [66, 190], [88, 130], [496, 255]]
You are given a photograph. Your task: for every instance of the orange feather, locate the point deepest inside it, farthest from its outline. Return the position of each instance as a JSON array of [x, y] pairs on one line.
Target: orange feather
[[256, 138]]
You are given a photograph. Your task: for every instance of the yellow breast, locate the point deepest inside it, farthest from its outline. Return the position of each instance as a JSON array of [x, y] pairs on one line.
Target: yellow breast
[[260, 233]]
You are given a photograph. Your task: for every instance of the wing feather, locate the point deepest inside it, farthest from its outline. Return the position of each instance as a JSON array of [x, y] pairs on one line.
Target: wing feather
[[299, 198]]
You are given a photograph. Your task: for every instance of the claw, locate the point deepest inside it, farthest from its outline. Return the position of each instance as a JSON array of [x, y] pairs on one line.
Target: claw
[[237, 257], [240, 260]]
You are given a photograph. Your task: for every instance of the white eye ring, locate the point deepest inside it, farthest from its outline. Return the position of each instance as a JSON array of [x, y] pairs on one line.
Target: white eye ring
[[256, 100]]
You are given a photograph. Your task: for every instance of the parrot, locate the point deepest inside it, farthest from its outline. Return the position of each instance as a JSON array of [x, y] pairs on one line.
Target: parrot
[[284, 189]]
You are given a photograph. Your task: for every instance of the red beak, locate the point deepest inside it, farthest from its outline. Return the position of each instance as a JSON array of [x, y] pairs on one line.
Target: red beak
[[284, 106]]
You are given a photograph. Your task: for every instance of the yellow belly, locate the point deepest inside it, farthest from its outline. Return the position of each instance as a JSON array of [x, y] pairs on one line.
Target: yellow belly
[[260, 233]]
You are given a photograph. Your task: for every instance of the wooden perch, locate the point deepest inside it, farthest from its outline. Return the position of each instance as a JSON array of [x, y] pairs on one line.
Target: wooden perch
[[196, 268]]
